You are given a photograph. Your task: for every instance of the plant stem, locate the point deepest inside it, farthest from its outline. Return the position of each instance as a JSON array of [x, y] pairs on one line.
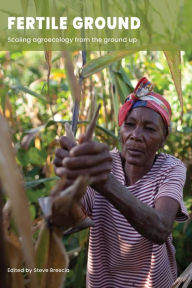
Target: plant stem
[[3, 266]]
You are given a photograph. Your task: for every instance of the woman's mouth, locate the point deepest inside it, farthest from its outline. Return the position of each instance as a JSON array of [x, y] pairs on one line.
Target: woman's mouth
[[134, 152]]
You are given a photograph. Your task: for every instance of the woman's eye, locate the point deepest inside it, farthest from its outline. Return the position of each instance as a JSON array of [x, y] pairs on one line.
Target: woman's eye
[[129, 124], [150, 128]]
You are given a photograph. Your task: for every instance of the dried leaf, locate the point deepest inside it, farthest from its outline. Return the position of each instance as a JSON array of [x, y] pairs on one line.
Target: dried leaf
[[3, 262], [185, 278], [58, 259], [75, 87], [37, 143], [15, 191], [42, 253], [59, 186], [26, 141], [8, 109], [92, 125], [6, 215], [66, 208], [69, 132], [14, 258], [48, 57], [50, 254], [174, 62]]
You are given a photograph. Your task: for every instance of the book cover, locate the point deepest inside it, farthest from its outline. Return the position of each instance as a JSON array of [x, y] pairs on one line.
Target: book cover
[[58, 61]]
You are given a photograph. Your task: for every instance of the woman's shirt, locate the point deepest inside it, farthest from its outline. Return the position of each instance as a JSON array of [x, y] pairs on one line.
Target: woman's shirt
[[118, 256]]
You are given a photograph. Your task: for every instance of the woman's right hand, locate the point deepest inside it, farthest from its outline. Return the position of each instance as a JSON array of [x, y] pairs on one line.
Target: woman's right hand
[[66, 144]]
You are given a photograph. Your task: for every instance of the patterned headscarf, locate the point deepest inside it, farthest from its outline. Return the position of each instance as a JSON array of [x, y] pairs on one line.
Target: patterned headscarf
[[143, 96]]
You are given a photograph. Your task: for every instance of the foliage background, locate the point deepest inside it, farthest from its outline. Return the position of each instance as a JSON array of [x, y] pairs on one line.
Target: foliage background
[[36, 112]]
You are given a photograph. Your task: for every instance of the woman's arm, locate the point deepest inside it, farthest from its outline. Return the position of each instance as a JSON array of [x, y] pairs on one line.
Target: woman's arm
[[155, 224], [94, 159]]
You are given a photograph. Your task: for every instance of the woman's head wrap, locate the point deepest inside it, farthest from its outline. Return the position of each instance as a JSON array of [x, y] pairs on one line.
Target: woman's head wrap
[[143, 96]]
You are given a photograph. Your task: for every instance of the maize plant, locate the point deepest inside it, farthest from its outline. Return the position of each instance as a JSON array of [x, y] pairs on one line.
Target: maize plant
[[27, 262]]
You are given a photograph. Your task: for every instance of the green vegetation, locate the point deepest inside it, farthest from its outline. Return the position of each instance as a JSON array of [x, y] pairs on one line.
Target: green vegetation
[[36, 110]]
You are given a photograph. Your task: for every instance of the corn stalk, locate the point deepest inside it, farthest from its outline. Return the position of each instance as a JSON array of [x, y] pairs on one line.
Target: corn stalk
[[3, 266], [49, 251]]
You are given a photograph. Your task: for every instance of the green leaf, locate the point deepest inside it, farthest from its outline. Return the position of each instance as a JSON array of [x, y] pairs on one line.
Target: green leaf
[[20, 87], [174, 62], [3, 95], [10, 13], [24, 4], [115, 99], [32, 211], [122, 82], [34, 195], [35, 183], [126, 79], [100, 63], [79, 274], [42, 7], [37, 157]]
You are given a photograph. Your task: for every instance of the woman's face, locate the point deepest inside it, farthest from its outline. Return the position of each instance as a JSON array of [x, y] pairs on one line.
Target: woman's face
[[142, 134]]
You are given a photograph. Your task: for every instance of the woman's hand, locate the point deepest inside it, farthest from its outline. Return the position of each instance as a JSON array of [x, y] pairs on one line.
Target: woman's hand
[[66, 144], [88, 158], [66, 205]]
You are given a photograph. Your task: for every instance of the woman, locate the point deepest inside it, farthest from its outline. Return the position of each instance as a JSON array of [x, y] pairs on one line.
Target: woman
[[134, 199]]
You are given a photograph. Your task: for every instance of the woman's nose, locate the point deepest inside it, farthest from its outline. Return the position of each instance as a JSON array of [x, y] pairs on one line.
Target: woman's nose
[[137, 134]]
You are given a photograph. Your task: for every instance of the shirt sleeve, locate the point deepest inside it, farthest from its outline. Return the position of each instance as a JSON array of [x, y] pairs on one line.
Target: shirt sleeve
[[88, 201], [172, 186]]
